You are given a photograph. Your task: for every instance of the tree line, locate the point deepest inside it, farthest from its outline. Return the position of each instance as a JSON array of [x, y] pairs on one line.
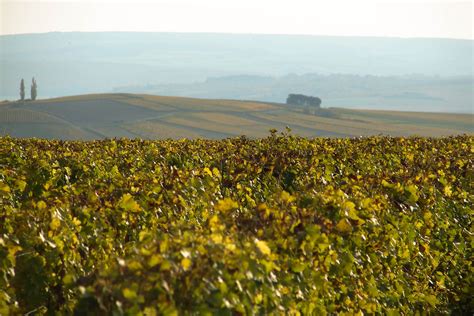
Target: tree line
[[33, 90]]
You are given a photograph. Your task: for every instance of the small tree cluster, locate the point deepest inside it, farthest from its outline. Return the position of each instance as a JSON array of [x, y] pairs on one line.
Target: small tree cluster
[[300, 99], [33, 91]]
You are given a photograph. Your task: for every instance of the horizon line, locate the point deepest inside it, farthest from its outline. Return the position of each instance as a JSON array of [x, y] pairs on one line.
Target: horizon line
[[241, 33]]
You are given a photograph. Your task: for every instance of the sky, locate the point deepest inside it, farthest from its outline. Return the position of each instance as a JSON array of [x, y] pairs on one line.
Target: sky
[[405, 18]]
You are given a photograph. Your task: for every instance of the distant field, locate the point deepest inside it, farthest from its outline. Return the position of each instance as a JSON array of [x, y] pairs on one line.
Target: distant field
[[159, 117]]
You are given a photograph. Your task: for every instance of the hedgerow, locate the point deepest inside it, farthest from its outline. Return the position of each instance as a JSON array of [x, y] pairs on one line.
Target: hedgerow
[[281, 225]]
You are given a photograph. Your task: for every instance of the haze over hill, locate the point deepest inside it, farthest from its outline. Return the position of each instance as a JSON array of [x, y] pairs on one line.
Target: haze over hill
[[77, 63], [396, 93]]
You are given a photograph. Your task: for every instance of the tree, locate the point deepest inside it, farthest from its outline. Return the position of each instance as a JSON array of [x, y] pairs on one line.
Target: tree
[[22, 90], [34, 89]]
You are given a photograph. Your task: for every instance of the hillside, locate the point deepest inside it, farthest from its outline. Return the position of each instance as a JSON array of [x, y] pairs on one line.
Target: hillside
[[159, 117]]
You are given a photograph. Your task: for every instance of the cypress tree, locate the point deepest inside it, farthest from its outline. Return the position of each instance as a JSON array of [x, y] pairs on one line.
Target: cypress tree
[[22, 90], [34, 89]]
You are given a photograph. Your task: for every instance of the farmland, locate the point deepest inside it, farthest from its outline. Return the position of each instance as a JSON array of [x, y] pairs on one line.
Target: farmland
[[280, 224], [100, 116]]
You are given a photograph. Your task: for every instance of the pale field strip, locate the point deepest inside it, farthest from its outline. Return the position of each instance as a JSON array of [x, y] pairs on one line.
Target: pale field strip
[[423, 124], [52, 129], [71, 131], [445, 117], [151, 105], [153, 129], [115, 131], [196, 104], [85, 97], [224, 118], [130, 99], [356, 128], [322, 123], [255, 130], [462, 123], [234, 123], [27, 116]]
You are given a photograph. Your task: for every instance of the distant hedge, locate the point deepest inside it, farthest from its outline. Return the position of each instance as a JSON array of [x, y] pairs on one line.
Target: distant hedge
[[281, 225]]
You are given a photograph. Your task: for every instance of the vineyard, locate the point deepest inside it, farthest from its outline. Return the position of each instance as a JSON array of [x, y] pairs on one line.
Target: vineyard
[[117, 115], [278, 225]]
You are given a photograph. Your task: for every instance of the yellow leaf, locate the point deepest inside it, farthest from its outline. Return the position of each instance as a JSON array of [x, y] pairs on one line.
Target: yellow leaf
[[385, 183], [134, 265], [214, 221], [41, 205], [427, 216], [154, 260], [164, 245], [225, 205], [186, 263], [144, 251], [144, 235], [230, 247], [425, 248], [68, 279], [431, 299], [208, 171], [149, 311], [286, 197], [214, 224], [55, 223], [263, 247], [4, 187], [350, 210], [216, 172], [76, 222], [165, 265], [128, 203], [20, 184], [405, 254], [216, 238], [447, 191], [129, 294], [348, 206], [344, 226]]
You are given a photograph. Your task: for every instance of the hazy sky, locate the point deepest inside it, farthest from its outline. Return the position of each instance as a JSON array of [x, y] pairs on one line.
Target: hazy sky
[[405, 18]]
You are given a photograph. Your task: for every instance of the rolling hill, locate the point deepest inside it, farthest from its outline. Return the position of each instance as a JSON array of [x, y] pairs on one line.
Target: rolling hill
[[98, 116]]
